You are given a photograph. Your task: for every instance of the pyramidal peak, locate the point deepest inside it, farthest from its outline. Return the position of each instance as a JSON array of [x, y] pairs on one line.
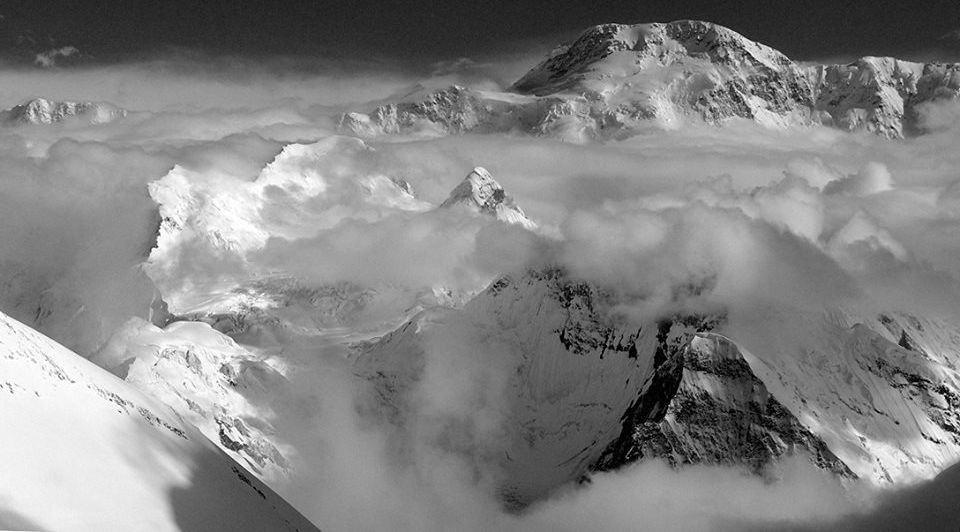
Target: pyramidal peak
[[480, 192], [593, 54]]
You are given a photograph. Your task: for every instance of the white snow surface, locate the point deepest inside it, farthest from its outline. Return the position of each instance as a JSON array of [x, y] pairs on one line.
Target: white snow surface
[[88, 452]]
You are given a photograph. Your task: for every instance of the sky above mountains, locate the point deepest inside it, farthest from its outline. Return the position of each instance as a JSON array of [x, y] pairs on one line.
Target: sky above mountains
[[424, 31]]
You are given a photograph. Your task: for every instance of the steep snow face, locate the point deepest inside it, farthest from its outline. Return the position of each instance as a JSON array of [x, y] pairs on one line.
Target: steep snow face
[[881, 391], [40, 111], [614, 80], [88, 452], [882, 94], [480, 192], [215, 384], [557, 369], [869, 93], [712, 409]]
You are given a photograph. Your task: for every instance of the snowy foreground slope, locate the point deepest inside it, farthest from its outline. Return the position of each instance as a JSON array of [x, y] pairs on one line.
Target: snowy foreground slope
[[616, 80], [86, 451]]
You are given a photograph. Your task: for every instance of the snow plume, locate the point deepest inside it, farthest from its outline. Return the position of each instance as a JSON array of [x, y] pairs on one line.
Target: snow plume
[[250, 183]]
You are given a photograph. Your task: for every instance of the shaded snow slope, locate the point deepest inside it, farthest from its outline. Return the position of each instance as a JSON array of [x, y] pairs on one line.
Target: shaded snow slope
[[561, 373], [88, 452], [65, 309]]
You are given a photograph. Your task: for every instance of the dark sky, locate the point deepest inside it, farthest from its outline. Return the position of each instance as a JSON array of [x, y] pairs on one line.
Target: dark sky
[[428, 30]]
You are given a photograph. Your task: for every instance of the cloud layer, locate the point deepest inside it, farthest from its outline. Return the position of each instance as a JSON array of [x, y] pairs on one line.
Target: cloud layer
[[807, 218]]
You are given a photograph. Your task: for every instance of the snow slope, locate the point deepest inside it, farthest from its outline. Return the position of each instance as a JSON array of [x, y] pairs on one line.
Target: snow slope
[[88, 452], [883, 391], [217, 385]]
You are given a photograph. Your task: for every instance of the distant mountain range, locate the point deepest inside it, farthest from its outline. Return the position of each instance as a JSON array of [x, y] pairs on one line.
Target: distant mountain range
[[616, 80]]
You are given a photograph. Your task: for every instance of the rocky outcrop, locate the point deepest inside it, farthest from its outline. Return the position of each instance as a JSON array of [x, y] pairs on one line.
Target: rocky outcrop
[[712, 409]]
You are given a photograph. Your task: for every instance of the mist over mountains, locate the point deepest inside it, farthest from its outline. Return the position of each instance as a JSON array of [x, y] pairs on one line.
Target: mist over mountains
[[664, 277]]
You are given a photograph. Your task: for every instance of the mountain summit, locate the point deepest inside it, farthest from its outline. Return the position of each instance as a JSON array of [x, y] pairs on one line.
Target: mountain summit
[[480, 192]]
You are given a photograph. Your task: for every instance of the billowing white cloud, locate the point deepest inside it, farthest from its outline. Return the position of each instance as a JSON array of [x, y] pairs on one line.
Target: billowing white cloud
[[873, 178]]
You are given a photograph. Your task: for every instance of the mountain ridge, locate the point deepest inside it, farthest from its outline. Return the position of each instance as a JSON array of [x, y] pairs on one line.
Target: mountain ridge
[[615, 80]]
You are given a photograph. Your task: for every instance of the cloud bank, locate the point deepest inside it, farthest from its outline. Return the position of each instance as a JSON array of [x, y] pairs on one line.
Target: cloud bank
[[806, 218]]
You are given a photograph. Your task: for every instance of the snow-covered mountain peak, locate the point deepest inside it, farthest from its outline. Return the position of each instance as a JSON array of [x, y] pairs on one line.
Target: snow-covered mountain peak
[[45, 112], [614, 51], [616, 80], [478, 188], [480, 192]]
